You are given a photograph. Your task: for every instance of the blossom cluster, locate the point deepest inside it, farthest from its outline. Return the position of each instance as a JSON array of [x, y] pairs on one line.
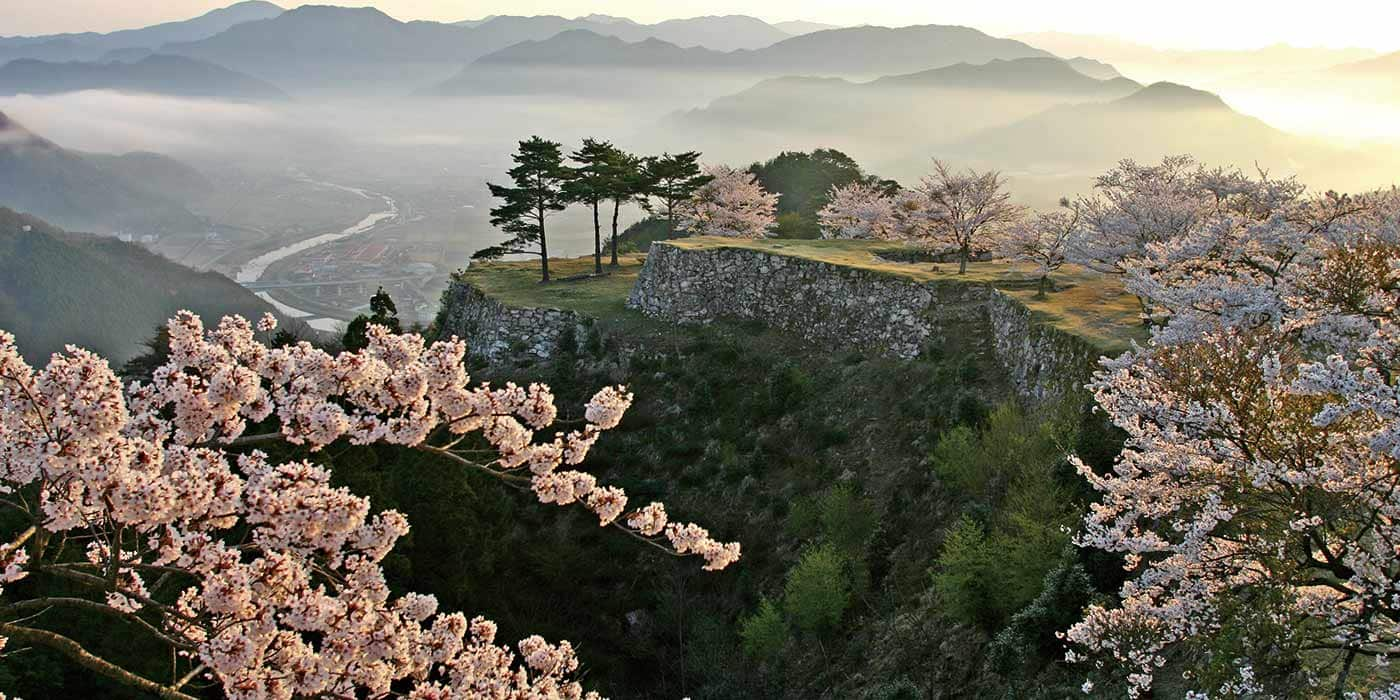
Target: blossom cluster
[[858, 210], [152, 479], [731, 204], [966, 212], [1263, 423]]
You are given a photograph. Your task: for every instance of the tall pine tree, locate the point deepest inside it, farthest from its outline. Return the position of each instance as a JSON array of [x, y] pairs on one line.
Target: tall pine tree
[[590, 186], [672, 180], [626, 182], [540, 177]]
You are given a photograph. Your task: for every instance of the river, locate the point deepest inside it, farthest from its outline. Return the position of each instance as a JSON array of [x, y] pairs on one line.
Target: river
[[253, 270]]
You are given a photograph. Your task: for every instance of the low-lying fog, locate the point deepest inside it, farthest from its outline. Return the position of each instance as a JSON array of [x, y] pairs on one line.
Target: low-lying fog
[[435, 154]]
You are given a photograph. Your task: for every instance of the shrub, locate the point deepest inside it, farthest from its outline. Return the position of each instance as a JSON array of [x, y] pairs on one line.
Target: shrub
[[1028, 642], [954, 460], [765, 632], [902, 689], [847, 518], [967, 579], [817, 591]]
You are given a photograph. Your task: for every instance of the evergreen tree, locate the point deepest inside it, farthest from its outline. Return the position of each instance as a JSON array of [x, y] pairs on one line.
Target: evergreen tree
[[626, 182], [804, 182], [672, 180], [382, 313], [539, 176], [591, 186]]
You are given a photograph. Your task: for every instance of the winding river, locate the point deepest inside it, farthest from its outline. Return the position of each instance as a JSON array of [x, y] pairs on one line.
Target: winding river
[[253, 270]]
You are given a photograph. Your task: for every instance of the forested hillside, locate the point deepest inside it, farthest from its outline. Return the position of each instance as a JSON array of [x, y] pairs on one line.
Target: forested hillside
[[97, 292], [140, 193]]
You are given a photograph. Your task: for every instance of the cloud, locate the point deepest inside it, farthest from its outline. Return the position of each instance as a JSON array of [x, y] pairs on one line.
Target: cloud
[[117, 123]]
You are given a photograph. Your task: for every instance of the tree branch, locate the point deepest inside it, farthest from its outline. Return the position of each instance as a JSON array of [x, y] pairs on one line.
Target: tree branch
[[84, 658], [85, 604]]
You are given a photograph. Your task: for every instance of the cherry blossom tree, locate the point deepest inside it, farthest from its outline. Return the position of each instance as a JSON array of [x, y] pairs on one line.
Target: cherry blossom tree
[[962, 211], [1257, 499], [151, 504], [858, 210], [1134, 206], [731, 204], [1041, 240]]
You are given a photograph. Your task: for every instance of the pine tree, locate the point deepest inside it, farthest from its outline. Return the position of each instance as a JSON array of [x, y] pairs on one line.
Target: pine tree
[[591, 186], [383, 312], [539, 176], [673, 179], [627, 182]]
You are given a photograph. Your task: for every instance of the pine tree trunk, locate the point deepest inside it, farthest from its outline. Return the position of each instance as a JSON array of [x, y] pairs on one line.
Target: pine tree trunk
[[616, 205], [597, 241], [544, 249]]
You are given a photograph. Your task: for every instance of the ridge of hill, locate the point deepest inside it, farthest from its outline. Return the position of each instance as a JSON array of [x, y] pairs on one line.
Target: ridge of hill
[[59, 288]]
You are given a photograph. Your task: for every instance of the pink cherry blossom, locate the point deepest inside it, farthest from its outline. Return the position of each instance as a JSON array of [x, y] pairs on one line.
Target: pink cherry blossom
[[283, 592], [731, 204]]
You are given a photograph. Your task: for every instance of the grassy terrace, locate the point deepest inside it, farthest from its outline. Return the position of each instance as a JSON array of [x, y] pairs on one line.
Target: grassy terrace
[[1086, 304], [574, 286]]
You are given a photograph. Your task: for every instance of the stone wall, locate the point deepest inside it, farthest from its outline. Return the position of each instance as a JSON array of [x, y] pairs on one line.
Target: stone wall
[[853, 309], [494, 330]]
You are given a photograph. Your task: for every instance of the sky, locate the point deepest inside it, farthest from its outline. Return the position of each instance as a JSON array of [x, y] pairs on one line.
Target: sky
[[1177, 23]]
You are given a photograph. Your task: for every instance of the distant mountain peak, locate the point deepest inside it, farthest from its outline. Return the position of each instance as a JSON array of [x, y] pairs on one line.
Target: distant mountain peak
[[338, 10], [251, 5], [1033, 73], [605, 19], [1173, 96]]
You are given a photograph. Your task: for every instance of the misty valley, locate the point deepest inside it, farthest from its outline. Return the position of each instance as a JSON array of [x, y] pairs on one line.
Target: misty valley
[[346, 354]]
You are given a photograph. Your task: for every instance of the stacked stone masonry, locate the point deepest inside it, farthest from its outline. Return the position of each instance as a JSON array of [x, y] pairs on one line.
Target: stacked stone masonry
[[846, 308], [494, 330]]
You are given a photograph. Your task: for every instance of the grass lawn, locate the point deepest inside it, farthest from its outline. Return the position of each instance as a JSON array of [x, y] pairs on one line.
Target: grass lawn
[[1085, 303], [573, 287]]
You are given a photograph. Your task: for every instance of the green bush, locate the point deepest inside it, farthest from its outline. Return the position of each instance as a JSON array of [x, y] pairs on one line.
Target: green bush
[[794, 225], [817, 591], [765, 632], [980, 462], [1028, 642], [985, 577], [955, 460], [847, 518], [902, 689], [967, 578]]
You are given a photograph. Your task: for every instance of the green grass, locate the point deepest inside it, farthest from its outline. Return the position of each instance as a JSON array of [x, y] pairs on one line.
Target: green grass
[[1085, 304], [518, 284]]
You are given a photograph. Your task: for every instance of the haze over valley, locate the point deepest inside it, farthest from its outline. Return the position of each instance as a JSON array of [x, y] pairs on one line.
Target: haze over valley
[[278, 112], [1012, 349]]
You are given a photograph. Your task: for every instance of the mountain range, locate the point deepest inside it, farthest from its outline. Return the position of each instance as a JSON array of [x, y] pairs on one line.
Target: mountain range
[[554, 64], [321, 46], [926, 107], [324, 46], [1387, 66], [157, 74], [1160, 119], [91, 46], [97, 292], [133, 193]]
